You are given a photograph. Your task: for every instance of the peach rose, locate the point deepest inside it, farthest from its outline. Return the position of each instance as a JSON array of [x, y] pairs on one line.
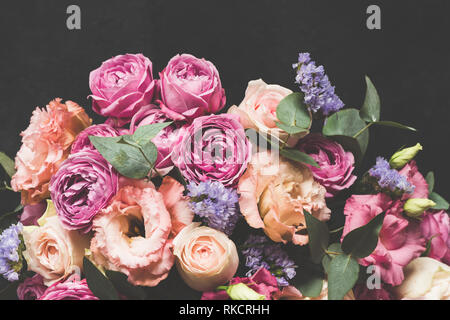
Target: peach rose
[[259, 107], [292, 293], [45, 145], [52, 251], [273, 194], [134, 233], [206, 258]]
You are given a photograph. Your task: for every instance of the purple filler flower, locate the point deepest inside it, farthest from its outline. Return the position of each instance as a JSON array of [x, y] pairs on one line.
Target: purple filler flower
[[390, 178], [319, 93], [11, 247]]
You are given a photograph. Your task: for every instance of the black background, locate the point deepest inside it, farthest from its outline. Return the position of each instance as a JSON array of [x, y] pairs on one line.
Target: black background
[[407, 59]]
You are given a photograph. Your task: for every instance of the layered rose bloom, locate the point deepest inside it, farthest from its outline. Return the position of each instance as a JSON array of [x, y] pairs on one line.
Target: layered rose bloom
[[71, 289], [213, 148], [435, 226], [400, 240], [258, 110], [206, 257], [121, 85], [31, 288], [45, 145], [273, 194], [336, 165], [82, 142], [134, 233], [190, 87], [83, 186]]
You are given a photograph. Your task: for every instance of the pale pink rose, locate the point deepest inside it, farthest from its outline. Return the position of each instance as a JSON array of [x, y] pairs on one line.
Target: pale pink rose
[[45, 145], [134, 233], [399, 241], [52, 251], [258, 110], [273, 195], [435, 226], [412, 174], [292, 293], [206, 258]]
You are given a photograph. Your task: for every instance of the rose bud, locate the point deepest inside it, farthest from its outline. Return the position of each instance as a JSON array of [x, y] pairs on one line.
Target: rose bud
[[403, 156], [206, 258], [415, 207], [241, 291]]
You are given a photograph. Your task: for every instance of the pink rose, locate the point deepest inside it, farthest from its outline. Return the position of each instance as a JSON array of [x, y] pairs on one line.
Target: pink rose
[[134, 233], [71, 289], [258, 110], [82, 142], [362, 292], [31, 288], [336, 165], [273, 195], [121, 85], [190, 87], [45, 145], [263, 282], [399, 242], [435, 226]]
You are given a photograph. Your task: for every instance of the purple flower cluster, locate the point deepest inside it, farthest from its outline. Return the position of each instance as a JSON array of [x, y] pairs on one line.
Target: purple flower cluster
[[260, 253], [390, 178], [215, 203], [319, 93], [11, 247]]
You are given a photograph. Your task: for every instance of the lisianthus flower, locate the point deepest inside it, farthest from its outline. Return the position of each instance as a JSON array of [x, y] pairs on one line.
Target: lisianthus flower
[[435, 227]]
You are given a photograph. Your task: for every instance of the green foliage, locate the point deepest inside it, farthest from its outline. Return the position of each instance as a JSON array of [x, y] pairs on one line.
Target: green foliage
[[100, 286], [318, 237], [370, 110]]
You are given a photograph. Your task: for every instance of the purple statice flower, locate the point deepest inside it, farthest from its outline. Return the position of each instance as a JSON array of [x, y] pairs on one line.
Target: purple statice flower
[[11, 247], [215, 203], [390, 178], [314, 83], [259, 252]]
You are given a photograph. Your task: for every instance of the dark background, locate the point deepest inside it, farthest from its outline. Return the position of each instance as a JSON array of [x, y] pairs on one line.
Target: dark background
[[407, 59]]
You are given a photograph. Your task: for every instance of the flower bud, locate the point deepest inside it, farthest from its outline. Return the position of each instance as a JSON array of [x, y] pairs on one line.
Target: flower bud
[[241, 291], [403, 156], [415, 207]]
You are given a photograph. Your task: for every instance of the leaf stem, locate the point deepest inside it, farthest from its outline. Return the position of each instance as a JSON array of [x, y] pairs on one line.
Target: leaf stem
[[362, 130]]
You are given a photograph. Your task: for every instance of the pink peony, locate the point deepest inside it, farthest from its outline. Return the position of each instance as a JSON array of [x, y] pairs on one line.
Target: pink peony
[[45, 145], [32, 212], [399, 242], [31, 288], [82, 142], [262, 282], [122, 85], [190, 87], [134, 233], [336, 165], [435, 226], [71, 289]]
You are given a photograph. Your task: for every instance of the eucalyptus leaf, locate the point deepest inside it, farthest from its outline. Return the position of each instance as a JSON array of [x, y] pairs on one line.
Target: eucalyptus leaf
[[394, 125], [430, 181], [150, 152], [290, 129], [144, 134], [293, 112], [361, 241], [298, 156], [122, 285], [308, 281], [333, 250], [318, 236], [370, 110], [441, 203], [100, 286], [342, 276], [8, 164]]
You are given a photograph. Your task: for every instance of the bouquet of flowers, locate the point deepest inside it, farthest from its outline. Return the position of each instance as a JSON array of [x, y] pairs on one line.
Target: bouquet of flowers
[[244, 203]]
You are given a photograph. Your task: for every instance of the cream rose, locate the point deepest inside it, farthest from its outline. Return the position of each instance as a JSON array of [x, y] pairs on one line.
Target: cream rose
[[52, 251], [206, 258], [258, 110], [425, 279]]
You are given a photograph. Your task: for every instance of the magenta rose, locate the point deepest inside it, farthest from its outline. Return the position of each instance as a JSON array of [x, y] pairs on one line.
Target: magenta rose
[[83, 186], [121, 85], [190, 87], [71, 289], [32, 212], [165, 139], [435, 226], [336, 165], [31, 288], [399, 242], [82, 141], [213, 148]]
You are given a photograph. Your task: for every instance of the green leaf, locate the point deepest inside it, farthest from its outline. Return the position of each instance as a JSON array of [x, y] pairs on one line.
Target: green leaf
[[342, 276], [100, 286], [394, 125], [348, 123], [128, 160], [318, 236], [10, 218], [144, 134], [293, 112], [122, 285], [370, 110], [289, 129], [430, 181], [350, 144], [361, 241], [298, 156], [308, 281], [150, 152], [333, 250], [441, 203], [8, 164], [428, 247]]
